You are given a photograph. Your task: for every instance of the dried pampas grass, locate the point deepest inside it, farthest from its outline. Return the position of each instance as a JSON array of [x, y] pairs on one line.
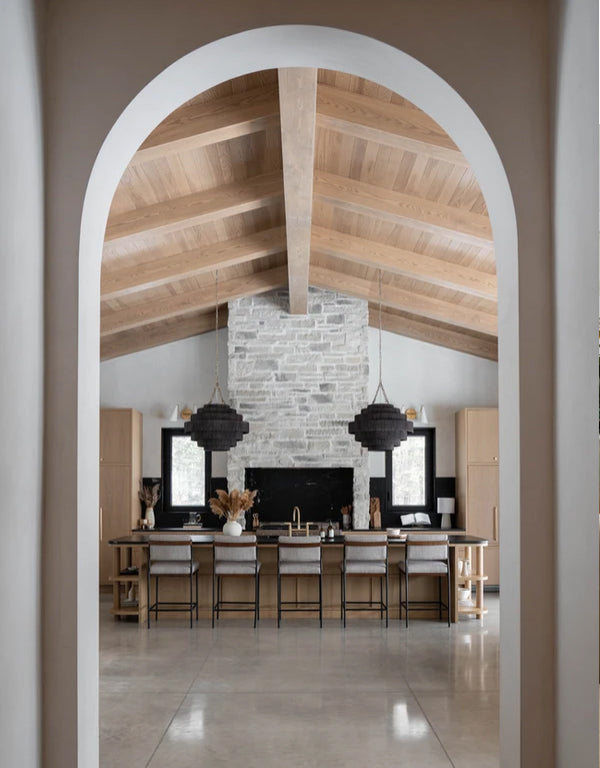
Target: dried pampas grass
[[231, 505]]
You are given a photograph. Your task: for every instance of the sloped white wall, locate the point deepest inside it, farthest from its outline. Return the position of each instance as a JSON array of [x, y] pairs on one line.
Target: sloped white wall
[[444, 381], [414, 373]]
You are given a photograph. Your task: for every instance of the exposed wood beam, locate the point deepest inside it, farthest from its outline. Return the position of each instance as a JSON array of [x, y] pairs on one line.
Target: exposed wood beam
[[441, 337], [407, 301], [402, 262], [152, 311], [394, 125], [297, 100], [400, 208], [197, 208], [198, 125], [123, 280], [159, 333]]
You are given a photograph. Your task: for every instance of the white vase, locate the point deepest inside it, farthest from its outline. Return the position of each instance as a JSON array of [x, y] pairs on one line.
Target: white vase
[[150, 520], [232, 528]]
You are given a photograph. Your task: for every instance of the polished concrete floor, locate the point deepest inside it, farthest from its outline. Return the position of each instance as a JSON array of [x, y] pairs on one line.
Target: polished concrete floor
[[426, 697]]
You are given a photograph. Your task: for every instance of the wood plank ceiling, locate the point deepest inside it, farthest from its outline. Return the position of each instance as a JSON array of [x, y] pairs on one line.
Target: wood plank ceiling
[[296, 178]]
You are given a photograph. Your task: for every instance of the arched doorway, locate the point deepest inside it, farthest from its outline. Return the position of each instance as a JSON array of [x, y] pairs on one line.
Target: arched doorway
[[329, 48]]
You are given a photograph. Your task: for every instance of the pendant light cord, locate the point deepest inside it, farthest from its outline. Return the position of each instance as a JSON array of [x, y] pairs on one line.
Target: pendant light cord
[[217, 387], [380, 387]]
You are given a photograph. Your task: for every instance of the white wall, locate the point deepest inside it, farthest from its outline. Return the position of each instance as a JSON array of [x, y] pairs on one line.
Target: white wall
[[155, 380], [21, 382], [414, 373]]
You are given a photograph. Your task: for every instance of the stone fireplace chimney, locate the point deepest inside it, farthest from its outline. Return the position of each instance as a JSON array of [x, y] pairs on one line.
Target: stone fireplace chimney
[[298, 380]]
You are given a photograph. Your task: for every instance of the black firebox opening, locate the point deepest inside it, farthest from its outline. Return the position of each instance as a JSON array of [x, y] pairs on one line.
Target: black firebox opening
[[319, 492]]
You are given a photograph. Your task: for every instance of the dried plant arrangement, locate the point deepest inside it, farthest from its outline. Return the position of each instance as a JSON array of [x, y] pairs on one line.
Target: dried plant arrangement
[[149, 494], [231, 505]]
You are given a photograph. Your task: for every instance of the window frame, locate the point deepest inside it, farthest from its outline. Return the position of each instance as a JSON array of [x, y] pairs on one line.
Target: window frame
[[428, 507], [167, 435]]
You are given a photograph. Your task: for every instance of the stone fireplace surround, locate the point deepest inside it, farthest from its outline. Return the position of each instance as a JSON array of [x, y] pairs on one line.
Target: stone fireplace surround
[[298, 380]]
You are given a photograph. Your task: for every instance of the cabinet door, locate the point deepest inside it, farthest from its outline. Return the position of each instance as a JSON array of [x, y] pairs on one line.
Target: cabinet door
[[482, 495], [482, 435], [115, 436], [115, 509]]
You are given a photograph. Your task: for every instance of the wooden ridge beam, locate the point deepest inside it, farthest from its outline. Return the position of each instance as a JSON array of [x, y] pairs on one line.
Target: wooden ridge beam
[[394, 125], [297, 100], [197, 208], [156, 334], [407, 301], [432, 334], [152, 311], [124, 280], [198, 125], [400, 208], [401, 262]]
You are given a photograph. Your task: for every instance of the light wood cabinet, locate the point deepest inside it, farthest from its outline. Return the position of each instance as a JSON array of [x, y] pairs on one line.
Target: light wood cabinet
[[120, 474], [477, 489]]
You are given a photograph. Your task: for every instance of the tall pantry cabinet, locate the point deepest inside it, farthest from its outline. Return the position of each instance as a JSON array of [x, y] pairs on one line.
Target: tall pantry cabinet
[[120, 475], [477, 490]]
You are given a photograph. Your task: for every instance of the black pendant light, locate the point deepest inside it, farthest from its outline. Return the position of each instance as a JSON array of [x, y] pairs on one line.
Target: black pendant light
[[380, 426], [216, 426]]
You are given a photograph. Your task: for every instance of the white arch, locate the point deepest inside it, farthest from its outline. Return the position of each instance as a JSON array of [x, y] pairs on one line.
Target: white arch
[[323, 47]]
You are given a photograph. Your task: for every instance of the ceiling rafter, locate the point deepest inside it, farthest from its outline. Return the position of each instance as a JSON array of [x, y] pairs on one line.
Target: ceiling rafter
[[297, 99], [152, 311], [199, 125], [195, 209], [394, 125], [407, 301], [434, 334], [400, 208], [156, 334], [125, 279], [402, 262]]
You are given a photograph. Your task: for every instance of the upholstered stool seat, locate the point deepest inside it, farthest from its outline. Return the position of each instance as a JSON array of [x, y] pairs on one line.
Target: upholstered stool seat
[[170, 556], [426, 554], [299, 556], [235, 556], [365, 555]]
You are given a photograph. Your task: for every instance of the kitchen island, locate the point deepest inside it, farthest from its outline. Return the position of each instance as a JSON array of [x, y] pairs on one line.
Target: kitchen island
[[130, 598]]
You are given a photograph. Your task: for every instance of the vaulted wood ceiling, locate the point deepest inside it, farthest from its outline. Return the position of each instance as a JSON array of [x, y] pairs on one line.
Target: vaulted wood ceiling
[[293, 178]]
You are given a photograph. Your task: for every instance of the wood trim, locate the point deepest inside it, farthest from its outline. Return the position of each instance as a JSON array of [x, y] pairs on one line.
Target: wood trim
[[191, 301], [150, 274], [433, 334], [197, 208], [198, 125], [155, 335], [407, 301], [398, 126], [402, 262], [400, 208], [297, 100]]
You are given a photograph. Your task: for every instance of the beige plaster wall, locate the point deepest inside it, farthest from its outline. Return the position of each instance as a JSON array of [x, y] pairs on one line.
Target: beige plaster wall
[[495, 55]]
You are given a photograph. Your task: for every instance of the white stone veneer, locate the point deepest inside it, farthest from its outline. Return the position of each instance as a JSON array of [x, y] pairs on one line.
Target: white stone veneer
[[298, 380]]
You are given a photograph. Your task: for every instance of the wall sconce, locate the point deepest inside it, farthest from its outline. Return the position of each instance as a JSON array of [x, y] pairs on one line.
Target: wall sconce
[[174, 414]]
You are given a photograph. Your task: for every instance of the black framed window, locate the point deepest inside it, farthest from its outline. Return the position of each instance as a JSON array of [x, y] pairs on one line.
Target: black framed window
[[410, 473], [186, 472]]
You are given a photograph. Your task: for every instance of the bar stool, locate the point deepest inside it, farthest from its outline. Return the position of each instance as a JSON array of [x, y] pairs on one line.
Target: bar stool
[[299, 557], [168, 556], [235, 557], [426, 554], [366, 557]]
